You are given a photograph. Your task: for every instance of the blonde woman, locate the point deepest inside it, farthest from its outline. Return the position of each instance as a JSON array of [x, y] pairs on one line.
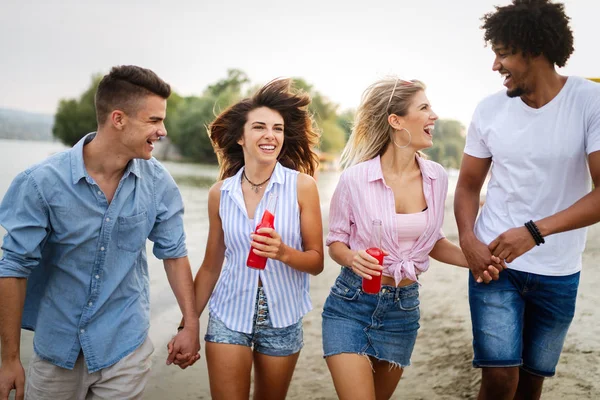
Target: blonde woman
[[368, 338]]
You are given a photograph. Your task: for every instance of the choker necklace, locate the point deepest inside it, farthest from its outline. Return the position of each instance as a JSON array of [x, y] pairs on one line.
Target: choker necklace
[[255, 186]]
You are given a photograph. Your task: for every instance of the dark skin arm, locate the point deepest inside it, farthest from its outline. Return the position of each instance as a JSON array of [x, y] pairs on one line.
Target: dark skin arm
[[586, 211], [473, 172]]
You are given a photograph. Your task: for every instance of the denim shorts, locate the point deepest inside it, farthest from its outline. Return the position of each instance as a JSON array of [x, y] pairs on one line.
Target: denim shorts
[[382, 325], [264, 338], [522, 320]]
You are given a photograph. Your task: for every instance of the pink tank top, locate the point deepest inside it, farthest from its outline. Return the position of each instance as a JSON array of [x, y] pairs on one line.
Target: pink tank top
[[409, 227]]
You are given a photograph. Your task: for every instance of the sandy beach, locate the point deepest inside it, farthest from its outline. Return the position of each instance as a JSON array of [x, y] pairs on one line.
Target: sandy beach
[[441, 362]]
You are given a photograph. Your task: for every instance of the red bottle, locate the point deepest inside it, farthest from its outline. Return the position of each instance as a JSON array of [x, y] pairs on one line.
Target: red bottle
[[373, 285], [267, 221]]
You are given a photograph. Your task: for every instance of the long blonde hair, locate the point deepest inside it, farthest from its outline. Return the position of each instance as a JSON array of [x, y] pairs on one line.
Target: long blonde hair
[[371, 132]]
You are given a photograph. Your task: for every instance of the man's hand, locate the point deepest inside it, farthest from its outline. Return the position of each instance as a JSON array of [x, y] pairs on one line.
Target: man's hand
[[512, 243], [12, 376], [184, 348], [482, 264]]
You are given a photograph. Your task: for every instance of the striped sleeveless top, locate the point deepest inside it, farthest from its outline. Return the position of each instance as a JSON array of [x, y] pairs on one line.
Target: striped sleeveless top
[[286, 289]]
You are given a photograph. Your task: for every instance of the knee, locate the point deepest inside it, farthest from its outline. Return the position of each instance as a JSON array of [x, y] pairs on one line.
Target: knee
[[501, 382]]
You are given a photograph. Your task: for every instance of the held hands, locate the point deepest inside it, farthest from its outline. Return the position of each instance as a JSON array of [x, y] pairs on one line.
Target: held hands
[[365, 265], [12, 376], [184, 348], [512, 243], [268, 246], [484, 266]]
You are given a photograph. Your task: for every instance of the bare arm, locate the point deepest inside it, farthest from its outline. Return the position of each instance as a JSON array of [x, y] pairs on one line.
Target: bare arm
[[310, 259], [187, 341], [359, 261], [447, 252], [209, 271], [586, 211], [180, 278], [12, 300], [473, 171]]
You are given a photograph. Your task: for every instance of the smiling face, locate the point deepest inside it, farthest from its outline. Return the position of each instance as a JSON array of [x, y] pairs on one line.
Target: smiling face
[[419, 121], [263, 136], [515, 68], [144, 126]]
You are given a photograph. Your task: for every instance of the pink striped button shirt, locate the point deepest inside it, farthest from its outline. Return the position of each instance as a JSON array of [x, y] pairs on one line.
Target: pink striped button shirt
[[362, 196]]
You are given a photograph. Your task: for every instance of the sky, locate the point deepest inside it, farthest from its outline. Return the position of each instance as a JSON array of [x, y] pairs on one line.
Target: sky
[[49, 49]]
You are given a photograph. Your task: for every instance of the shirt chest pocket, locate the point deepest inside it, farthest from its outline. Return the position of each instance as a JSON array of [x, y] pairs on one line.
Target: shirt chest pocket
[[132, 232]]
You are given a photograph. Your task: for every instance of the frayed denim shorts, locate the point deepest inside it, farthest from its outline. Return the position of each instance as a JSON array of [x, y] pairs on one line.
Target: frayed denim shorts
[[382, 325], [264, 338]]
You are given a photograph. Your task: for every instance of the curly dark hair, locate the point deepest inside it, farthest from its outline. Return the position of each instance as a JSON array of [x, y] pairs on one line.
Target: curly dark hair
[[533, 27], [300, 134]]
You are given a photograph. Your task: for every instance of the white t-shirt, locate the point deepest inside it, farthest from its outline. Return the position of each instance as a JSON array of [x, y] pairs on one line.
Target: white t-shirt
[[539, 167]]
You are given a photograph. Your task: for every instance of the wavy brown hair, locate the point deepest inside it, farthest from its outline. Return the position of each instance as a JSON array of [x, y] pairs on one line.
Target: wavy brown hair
[[300, 133]]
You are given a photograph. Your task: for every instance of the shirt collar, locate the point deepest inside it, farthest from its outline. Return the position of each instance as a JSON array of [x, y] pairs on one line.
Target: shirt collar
[[375, 172], [78, 166]]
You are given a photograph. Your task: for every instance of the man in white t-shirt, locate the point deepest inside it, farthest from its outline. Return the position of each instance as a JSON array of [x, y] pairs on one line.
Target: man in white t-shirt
[[541, 138]]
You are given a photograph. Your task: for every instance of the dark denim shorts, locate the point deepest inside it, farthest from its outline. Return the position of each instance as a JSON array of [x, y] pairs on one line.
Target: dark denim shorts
[[382, 325], [264, 338], [522, 320]]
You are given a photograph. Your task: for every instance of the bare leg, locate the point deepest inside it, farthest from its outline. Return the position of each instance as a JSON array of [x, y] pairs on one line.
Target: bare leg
[[498, 383], [386, 377], [530, 386], [229, 368], [272, 375], [352, 376]]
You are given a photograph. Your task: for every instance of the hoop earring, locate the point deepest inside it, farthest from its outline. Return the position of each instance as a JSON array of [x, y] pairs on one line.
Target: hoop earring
[[409, 139]]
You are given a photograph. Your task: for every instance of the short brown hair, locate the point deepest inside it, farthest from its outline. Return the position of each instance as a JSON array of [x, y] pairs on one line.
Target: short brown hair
[[300, 134], [123, 88]]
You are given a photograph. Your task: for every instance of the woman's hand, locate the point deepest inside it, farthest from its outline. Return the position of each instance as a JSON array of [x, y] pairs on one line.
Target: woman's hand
[[365, 265], [269, 246]]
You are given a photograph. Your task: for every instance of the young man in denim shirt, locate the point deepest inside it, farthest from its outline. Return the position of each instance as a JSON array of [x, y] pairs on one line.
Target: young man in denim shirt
[[74, 267]]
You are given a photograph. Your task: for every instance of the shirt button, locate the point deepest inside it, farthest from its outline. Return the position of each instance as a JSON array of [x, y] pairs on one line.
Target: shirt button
[[99, 193], [82, 331], [101, 248], [90, 304], [97, 277], [107, 219]]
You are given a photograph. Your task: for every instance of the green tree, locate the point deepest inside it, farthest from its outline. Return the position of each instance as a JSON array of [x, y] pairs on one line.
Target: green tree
[[345, 120], [193, 114], [333, 134], [76, 117], [448, 143]]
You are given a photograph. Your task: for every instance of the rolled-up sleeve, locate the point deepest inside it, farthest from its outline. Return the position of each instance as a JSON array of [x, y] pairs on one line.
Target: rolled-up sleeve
[[24, 216], [340, 214], [168, 233]]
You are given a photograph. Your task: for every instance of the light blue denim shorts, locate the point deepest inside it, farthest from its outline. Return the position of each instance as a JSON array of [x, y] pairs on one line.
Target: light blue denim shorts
[[264, 338], [382, 325], [522, 320]]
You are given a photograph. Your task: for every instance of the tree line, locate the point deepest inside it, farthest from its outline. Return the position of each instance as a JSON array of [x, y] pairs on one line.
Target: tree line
[[188, 117]]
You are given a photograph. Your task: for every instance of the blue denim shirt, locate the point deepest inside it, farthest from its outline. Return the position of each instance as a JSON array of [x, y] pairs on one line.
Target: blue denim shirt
[[85, 259]]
